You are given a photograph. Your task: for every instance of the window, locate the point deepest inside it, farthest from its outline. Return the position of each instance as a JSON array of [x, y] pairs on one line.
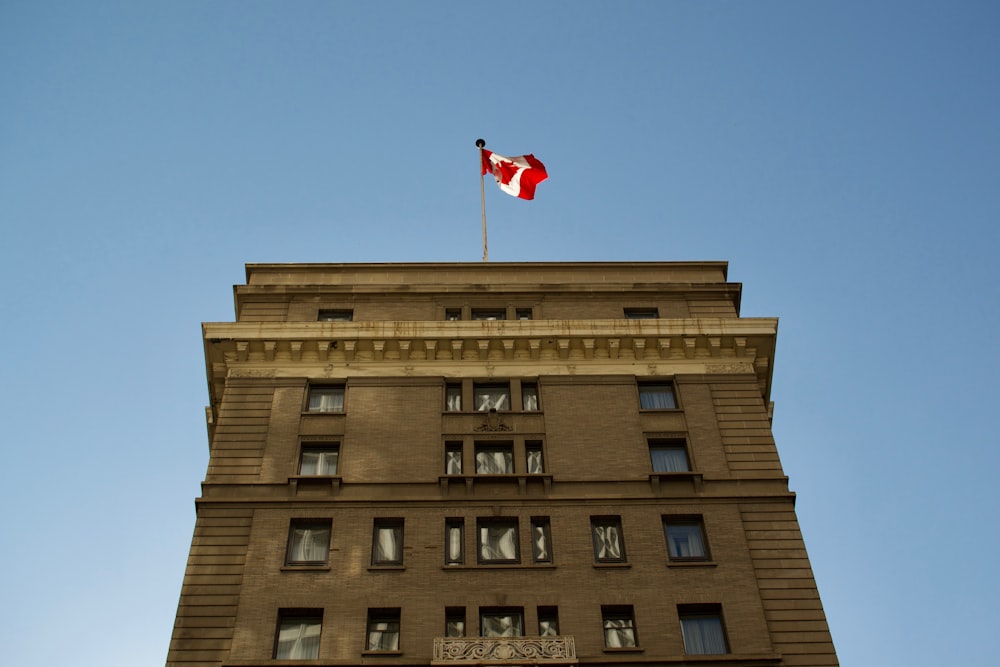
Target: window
[[487, 397], [319, 459], [335, 315], [685, 539], [548, 621], [326, 399], [298, 634], [641, 313], [609, 547], [454, 622], [657, 397], [701, 626], [454, 541], [453, 398], [522, 313], [453, 314], [308, 542], [668, 456], [541, 540], [501, 622], [619, 627], [494, 459], [498, 541], [387, 542], [533, 458], [383, 630], [489, 313], [529, 397], [453, 458]]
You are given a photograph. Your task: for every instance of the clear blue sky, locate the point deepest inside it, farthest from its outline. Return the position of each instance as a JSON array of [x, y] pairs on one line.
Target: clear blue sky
[[844, 157]]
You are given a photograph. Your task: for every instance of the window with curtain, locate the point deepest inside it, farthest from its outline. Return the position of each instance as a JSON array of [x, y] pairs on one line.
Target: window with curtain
[[541, 543], [308, 542], [383, 630], [319, 459], [609, 546], [494, 396], [657, 396], [453, 314], [619, 627], [685, 539], [529, 397], [453, 398], [387, 542], [533, 458], [326, 399], [498, 541], [668, 456], [548, 621], [453, 458], [494, 459], [454, 541], [702, 630], [298, 634], [454, 622], [508, 622], [489, 313], [523, 313]]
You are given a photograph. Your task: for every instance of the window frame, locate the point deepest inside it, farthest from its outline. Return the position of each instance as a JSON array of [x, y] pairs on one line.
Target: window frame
[[613, 613], [454, 453], [480, 388], [453, 397], [668, 444], [453, 314], [511, 525], [390, 616], [335, 315], [541, 525], [548, 614], [505, 448], [652, 388], [319, 390], [524, 313], [605, 522], [500, 612], [305, 524], [496, 314], [450, 524], [530, 390], [702, 612], [397, 526], [322, 448], [534, 447], [455, 615], [303, 616], [686, 522]]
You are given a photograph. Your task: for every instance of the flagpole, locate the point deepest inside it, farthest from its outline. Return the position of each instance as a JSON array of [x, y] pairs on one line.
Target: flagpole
[[482, 196]]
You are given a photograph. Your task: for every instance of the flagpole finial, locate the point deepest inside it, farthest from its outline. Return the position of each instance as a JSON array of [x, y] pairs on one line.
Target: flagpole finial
[[480, 143]]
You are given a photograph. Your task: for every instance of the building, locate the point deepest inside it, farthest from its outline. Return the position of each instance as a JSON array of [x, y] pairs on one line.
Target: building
[[494, 464]]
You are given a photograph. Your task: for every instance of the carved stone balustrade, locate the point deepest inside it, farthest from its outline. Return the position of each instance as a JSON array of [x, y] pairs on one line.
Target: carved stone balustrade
[[555, 650]]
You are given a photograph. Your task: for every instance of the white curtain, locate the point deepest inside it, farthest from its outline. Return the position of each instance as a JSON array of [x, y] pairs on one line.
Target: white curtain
[[310, 544], [548, 628], [453, 400], [497, 543], [326, 400], [494, 462], [609, 546], [685, 541], [493, 398], [535, 466], [529, 398], [669, 459], [388, 548], [319, 462], [298, 639], [454, 544], [619, 633], [454, 628], [703, 635], [453, 462], [540, 543], [383, 636], [657, 398], [502, 625]]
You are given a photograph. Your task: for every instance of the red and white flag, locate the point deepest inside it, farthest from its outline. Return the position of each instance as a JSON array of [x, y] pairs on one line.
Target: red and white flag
[[516, 176]]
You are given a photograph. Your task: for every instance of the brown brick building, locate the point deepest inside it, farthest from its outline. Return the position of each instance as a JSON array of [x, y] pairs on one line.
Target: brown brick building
[[494, 463]]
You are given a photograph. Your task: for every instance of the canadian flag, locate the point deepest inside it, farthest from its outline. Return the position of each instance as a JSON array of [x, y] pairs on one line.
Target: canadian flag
[[516, 176]]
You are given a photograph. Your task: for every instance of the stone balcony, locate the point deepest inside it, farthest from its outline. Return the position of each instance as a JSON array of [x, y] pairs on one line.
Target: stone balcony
[[553, 650]]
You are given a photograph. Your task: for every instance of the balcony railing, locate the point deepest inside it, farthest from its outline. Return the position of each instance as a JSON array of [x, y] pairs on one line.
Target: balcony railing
[[556, 650]]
